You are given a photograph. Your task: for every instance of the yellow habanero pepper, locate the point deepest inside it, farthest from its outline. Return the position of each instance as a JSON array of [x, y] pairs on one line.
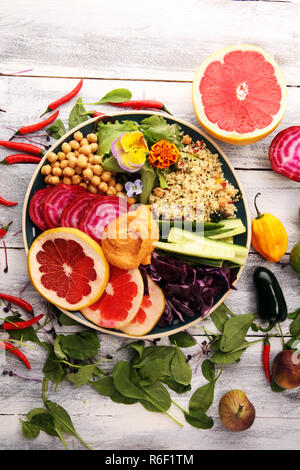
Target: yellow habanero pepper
[[269, 236]]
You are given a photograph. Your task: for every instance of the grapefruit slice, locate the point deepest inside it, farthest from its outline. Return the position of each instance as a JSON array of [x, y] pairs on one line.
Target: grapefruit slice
[[121, 300], [68, 268], [149, 313], [239, 94]]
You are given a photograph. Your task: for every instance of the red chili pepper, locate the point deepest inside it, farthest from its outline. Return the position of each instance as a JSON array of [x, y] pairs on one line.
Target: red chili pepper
[[4, 202], [12, 349], [137, 104], [20, 158], [266, 358], [36, 127], [4, 229], [17, 301], [20, 325], [63, 99], [29, 148]]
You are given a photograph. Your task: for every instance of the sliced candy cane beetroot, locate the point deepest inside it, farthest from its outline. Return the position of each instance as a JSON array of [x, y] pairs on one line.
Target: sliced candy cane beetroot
[[36, 208], [72, 213], [120, 301], [150, 311], [284, 153], [99, 213], [56, 200]]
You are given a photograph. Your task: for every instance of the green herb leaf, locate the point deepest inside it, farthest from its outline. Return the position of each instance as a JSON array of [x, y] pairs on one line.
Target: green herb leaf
[[106, 387], [182, 339], [274, 387], [295, 327], [208, 370], [180, 368], [57, 129], [76, 115], [161, 178], [202, 399], [108, 132], [138, 346], [173, 385], [119, 95], [148, 177], [29, 429], [202, 421], [57, 348], [220, 316], [83, 375], [220, 357], [235, 330], [109, 163], [24, 334], [159, 396], [43, 419], [126, 381], [84, 345], [53, 369], [157, 128]]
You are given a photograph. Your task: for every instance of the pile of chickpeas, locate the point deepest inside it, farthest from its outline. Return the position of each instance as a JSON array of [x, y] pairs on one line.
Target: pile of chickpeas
[[78, 163]]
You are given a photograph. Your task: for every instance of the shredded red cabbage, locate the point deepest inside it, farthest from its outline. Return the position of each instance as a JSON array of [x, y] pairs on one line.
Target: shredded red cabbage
[[189, 290]]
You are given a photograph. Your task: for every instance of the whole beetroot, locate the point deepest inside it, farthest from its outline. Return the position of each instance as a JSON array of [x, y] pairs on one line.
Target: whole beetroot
[[286, 369]]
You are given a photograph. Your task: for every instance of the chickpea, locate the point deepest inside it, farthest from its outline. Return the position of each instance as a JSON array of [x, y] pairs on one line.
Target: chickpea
[[92, 138], [74, 144], [106, 176], [94, 147], [78, 170], [112, 182], [47, 179], [119, 187], [95, 181], [78, 136], [85, 149], [84, 142], [84, 185], [46, 170], [120, 194], [70, 155], [54, 180], [56, 171], [76, 153], [73, 162], [61, 156], [52, 157], [64, 164], [76, 179], [131, 200], [91, 159], [103, 187], [67, 180], [97, 169], [97, 159], [186, 139], [82, 161], [111, 191], [92, 189], [69, 171], [158, 192], [66, 148], [87, 173], [56, 164]]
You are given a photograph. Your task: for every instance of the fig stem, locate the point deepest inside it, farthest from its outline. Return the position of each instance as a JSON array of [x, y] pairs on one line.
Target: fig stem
[[241, 407]]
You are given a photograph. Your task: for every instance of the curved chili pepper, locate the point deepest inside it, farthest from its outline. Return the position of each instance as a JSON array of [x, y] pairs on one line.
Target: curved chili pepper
[[29, 148], [63, 99], [12, 349], [20, 325], [146, 104], [266, 358], [4, 202], [17, 301], [4, 229], [20, 158], [36, 127]]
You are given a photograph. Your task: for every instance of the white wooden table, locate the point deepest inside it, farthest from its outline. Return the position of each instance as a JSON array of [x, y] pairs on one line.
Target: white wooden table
[[152, 48]]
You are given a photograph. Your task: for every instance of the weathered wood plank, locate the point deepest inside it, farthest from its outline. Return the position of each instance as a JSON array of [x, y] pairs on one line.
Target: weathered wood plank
[[119, 40]]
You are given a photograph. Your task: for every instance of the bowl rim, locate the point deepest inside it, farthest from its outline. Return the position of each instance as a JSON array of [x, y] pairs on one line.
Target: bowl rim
[[87, 323]]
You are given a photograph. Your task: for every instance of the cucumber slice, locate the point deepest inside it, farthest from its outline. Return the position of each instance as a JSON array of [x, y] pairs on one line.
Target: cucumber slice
[[231, 227], [199, 227], [201, 250], [194, 260]]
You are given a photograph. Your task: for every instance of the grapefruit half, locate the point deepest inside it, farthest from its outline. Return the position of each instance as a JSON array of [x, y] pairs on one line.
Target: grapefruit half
[[120, 301], [239, 94], [68, 268], [150, 311]]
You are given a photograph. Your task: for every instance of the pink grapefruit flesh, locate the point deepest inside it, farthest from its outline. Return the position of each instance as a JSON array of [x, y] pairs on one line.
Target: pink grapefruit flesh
[[120, 301], [150, 311], [239, 94], [68, 268]]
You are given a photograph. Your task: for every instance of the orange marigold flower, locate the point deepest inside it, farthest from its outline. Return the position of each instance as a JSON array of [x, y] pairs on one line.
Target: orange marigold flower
[[163, 154]]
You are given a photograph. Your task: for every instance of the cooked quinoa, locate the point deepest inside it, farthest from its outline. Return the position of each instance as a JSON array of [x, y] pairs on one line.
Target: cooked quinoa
[[197, 190]]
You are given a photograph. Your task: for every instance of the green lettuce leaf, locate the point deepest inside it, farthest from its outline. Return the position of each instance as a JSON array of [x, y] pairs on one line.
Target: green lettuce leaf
[[156, 128], [107, 133]]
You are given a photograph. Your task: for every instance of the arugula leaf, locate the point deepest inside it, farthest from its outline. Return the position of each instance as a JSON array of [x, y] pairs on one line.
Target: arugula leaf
[[76, 115], [53, 369], [83, 375], [57, 129], [119, 95]]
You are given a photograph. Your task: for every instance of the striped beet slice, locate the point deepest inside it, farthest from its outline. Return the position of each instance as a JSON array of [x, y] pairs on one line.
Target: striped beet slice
[[36, 207], [56, 200], [73, 212], [99, 213]]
